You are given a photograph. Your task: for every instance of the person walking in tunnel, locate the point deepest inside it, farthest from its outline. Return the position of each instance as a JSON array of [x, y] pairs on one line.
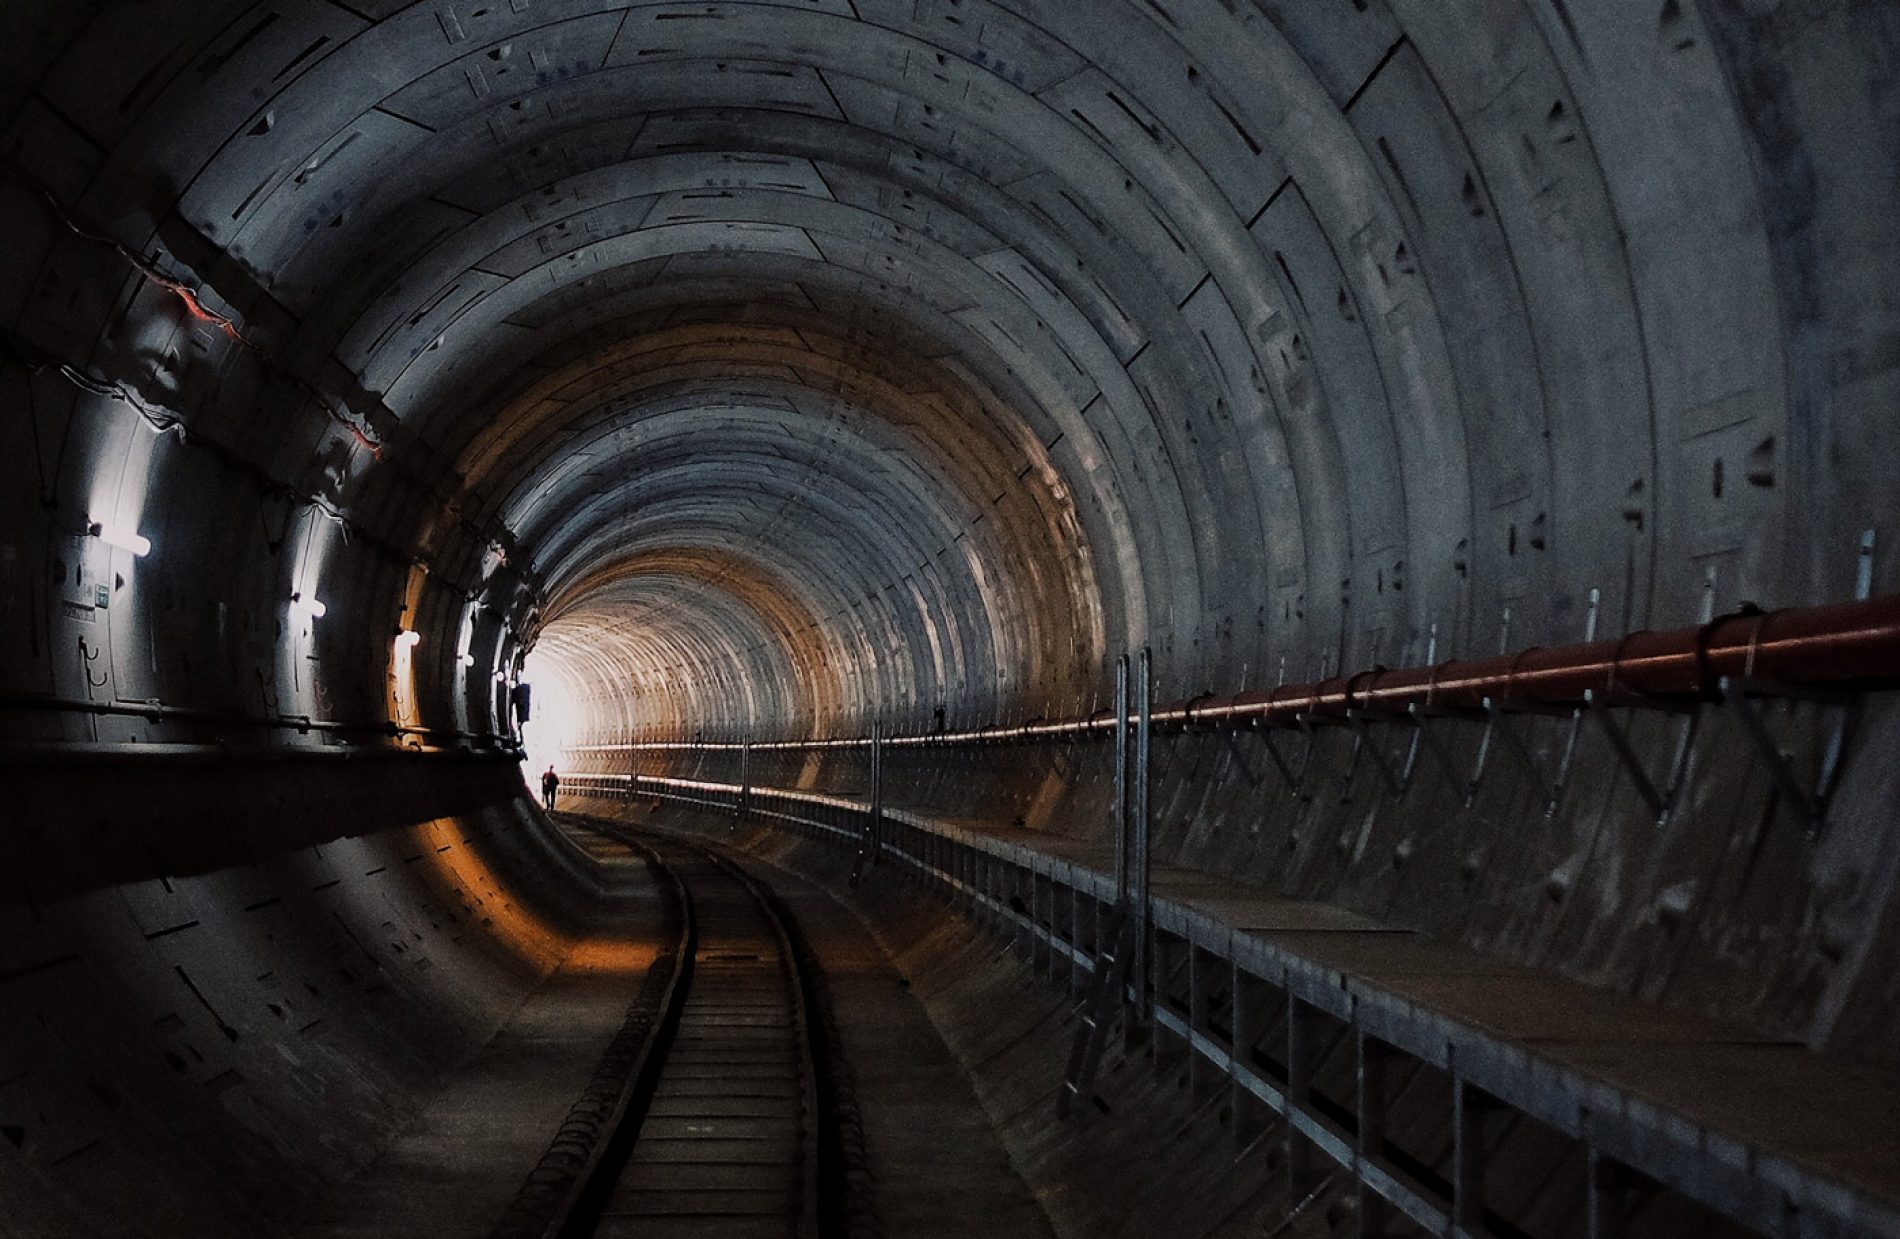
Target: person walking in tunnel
[[550, 784]]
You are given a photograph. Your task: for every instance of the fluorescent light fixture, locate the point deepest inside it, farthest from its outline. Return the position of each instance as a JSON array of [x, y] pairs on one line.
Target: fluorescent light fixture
[[122, 536], [312, 607], [408, 638]]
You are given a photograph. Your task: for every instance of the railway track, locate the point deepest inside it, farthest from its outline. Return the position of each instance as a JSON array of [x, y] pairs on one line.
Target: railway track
[[717, 1110]]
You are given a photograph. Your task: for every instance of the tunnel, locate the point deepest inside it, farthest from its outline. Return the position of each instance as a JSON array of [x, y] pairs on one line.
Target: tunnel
[[858, 618]]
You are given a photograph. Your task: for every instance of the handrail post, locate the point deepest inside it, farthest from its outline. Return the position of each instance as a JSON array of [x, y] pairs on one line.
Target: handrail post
[[874, 810], [745, 779], [1121, 781], [877, 786], [1144, 924]]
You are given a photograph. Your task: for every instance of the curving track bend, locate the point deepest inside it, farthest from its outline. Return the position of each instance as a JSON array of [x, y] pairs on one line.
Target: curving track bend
[[723, 1119]]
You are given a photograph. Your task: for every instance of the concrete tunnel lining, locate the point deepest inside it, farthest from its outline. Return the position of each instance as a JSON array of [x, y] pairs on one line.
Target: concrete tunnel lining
[[761, 369]]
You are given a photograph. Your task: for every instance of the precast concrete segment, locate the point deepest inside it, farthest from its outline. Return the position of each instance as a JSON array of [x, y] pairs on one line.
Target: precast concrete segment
[[640, 619], [1172, 255], [221, 1048], [1283, 338], [1844, 647]]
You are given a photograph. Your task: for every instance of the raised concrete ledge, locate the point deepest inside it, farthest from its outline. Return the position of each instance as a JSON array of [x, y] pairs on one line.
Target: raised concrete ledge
[[79, 818], [1764, 1132]]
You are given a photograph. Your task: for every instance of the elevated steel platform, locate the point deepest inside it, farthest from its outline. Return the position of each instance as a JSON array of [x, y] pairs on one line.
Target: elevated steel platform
[[1308, 1012]]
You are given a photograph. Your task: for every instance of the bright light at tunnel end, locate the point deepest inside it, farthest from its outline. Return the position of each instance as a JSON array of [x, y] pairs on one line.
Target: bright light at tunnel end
[[557, 721]]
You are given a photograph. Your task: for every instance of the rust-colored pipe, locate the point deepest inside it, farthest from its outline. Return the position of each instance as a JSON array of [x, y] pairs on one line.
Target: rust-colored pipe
[[1847, 645], [1843, 645]]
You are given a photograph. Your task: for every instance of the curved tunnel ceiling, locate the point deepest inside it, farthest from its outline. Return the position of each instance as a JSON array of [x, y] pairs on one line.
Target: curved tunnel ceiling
[[785, 362], [772, 368]]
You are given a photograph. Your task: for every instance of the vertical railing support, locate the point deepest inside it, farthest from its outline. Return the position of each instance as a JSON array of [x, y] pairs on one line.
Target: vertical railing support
[[1084, 933], [745, 780], [1145, 980], [1121, 781], [1107, 990], [1302, 1159], [1250, 1113], [1202, 965], [1377, 1218], [1616, 1194], [1022, 902], [1608, 1192], [1472, 1114], [1042, 915], [874, 814]]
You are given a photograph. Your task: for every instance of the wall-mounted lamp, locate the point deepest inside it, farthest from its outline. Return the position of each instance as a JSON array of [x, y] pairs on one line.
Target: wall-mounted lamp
[[407, 639], [312, 606], [122, 536]]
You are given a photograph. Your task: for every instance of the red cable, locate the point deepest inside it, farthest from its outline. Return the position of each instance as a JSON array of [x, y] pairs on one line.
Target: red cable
[[193, 305]]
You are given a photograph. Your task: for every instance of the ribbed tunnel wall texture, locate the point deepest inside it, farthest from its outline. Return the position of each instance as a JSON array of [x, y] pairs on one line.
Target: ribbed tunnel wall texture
[[767, 367]]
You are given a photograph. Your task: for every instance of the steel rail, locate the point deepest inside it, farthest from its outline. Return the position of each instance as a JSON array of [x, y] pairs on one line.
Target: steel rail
[[1845, 646], [558, 1193], [816, 1208]]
